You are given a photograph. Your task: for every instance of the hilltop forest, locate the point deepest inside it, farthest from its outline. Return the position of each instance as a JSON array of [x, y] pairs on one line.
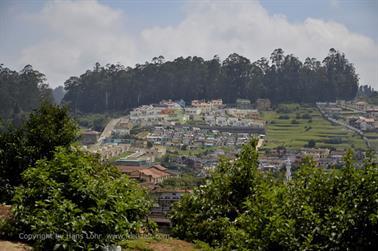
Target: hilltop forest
[[21, 92], [281, 78], [116, 88]]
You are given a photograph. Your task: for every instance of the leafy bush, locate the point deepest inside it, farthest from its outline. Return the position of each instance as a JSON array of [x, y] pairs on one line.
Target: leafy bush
[[208, 213], [306, 116], [284, 117], [317, 210], [311, 143], [308, 128], [294, 122], [47, 127], [81, 202], [94, 121], [186, 181], [334, 140]]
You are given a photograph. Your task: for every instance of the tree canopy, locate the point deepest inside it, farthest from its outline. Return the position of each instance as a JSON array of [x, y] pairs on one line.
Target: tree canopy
[[241, 208], [21, 92], [282, 78], [65, 198], [48, 127], [83, 204]]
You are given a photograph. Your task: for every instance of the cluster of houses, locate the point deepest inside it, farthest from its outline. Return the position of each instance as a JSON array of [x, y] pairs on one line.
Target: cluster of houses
[[194, 137], [164, 199], [365, 124], [234, 117], [277, 158], [358, 115], [108, 151], [213, 113], [200, 165], [360, 106]]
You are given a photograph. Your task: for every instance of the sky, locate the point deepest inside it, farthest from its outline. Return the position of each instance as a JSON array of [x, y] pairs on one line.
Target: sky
[[65, 38]]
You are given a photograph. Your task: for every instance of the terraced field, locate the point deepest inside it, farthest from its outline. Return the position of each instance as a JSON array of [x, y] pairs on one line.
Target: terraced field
[[373, 139], [296, 128]]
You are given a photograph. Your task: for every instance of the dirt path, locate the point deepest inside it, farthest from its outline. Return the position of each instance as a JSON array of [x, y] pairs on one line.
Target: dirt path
[[13, 246]]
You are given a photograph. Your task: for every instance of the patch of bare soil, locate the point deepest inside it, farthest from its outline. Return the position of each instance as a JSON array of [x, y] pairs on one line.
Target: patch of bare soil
[[13, 246], [171, 245]]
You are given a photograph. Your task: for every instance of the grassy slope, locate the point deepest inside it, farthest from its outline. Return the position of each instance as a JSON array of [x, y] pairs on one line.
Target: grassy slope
[[283, 132], [162, 245]]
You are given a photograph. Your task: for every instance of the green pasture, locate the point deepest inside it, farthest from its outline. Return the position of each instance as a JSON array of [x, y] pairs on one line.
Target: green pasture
[[295, 132]]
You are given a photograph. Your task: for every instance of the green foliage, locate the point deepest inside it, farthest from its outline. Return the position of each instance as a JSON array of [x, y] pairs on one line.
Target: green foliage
[[285, 116], [47, 127], [82, 201], [208, 212], [334, 140], [186, 181], [95, 122], [21, 92], [311, 143], [294, 122], [306, 116], [287, 108], [284, 78], [7, 231], [318, 209]]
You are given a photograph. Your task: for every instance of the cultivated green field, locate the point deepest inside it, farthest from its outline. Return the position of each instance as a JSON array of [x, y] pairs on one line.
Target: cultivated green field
[[297, 125], [373, 139]]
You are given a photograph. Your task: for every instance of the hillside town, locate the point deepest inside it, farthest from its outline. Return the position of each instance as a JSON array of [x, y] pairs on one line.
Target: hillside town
[[161, 141], [191, 138]]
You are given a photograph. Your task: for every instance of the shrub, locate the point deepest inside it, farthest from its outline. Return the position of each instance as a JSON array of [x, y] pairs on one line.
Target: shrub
[[311, 143], [316, 210], [308, 128], [208, 213], [294, 122], [47, 127], [334, 140], [284, 117], [80, 201], [306, 116]]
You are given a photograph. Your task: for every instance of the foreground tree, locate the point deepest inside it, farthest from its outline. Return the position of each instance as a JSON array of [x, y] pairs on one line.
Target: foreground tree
[[208, 213], [84, 204], [317, 210], [48, 127]]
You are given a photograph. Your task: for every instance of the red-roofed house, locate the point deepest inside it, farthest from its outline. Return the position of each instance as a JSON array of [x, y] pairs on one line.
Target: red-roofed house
[[154, 174]]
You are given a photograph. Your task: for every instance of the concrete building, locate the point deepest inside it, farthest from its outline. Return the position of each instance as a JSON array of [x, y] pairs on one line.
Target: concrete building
[[263, 104], [89, 137]]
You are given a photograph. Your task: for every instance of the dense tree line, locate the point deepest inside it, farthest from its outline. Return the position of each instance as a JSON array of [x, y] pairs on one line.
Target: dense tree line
[[367, 93], [282, 78], [241, 208], [21, 92]]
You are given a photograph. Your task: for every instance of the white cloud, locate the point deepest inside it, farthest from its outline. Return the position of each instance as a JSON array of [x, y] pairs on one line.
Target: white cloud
[[81, 33], [246, 27]]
